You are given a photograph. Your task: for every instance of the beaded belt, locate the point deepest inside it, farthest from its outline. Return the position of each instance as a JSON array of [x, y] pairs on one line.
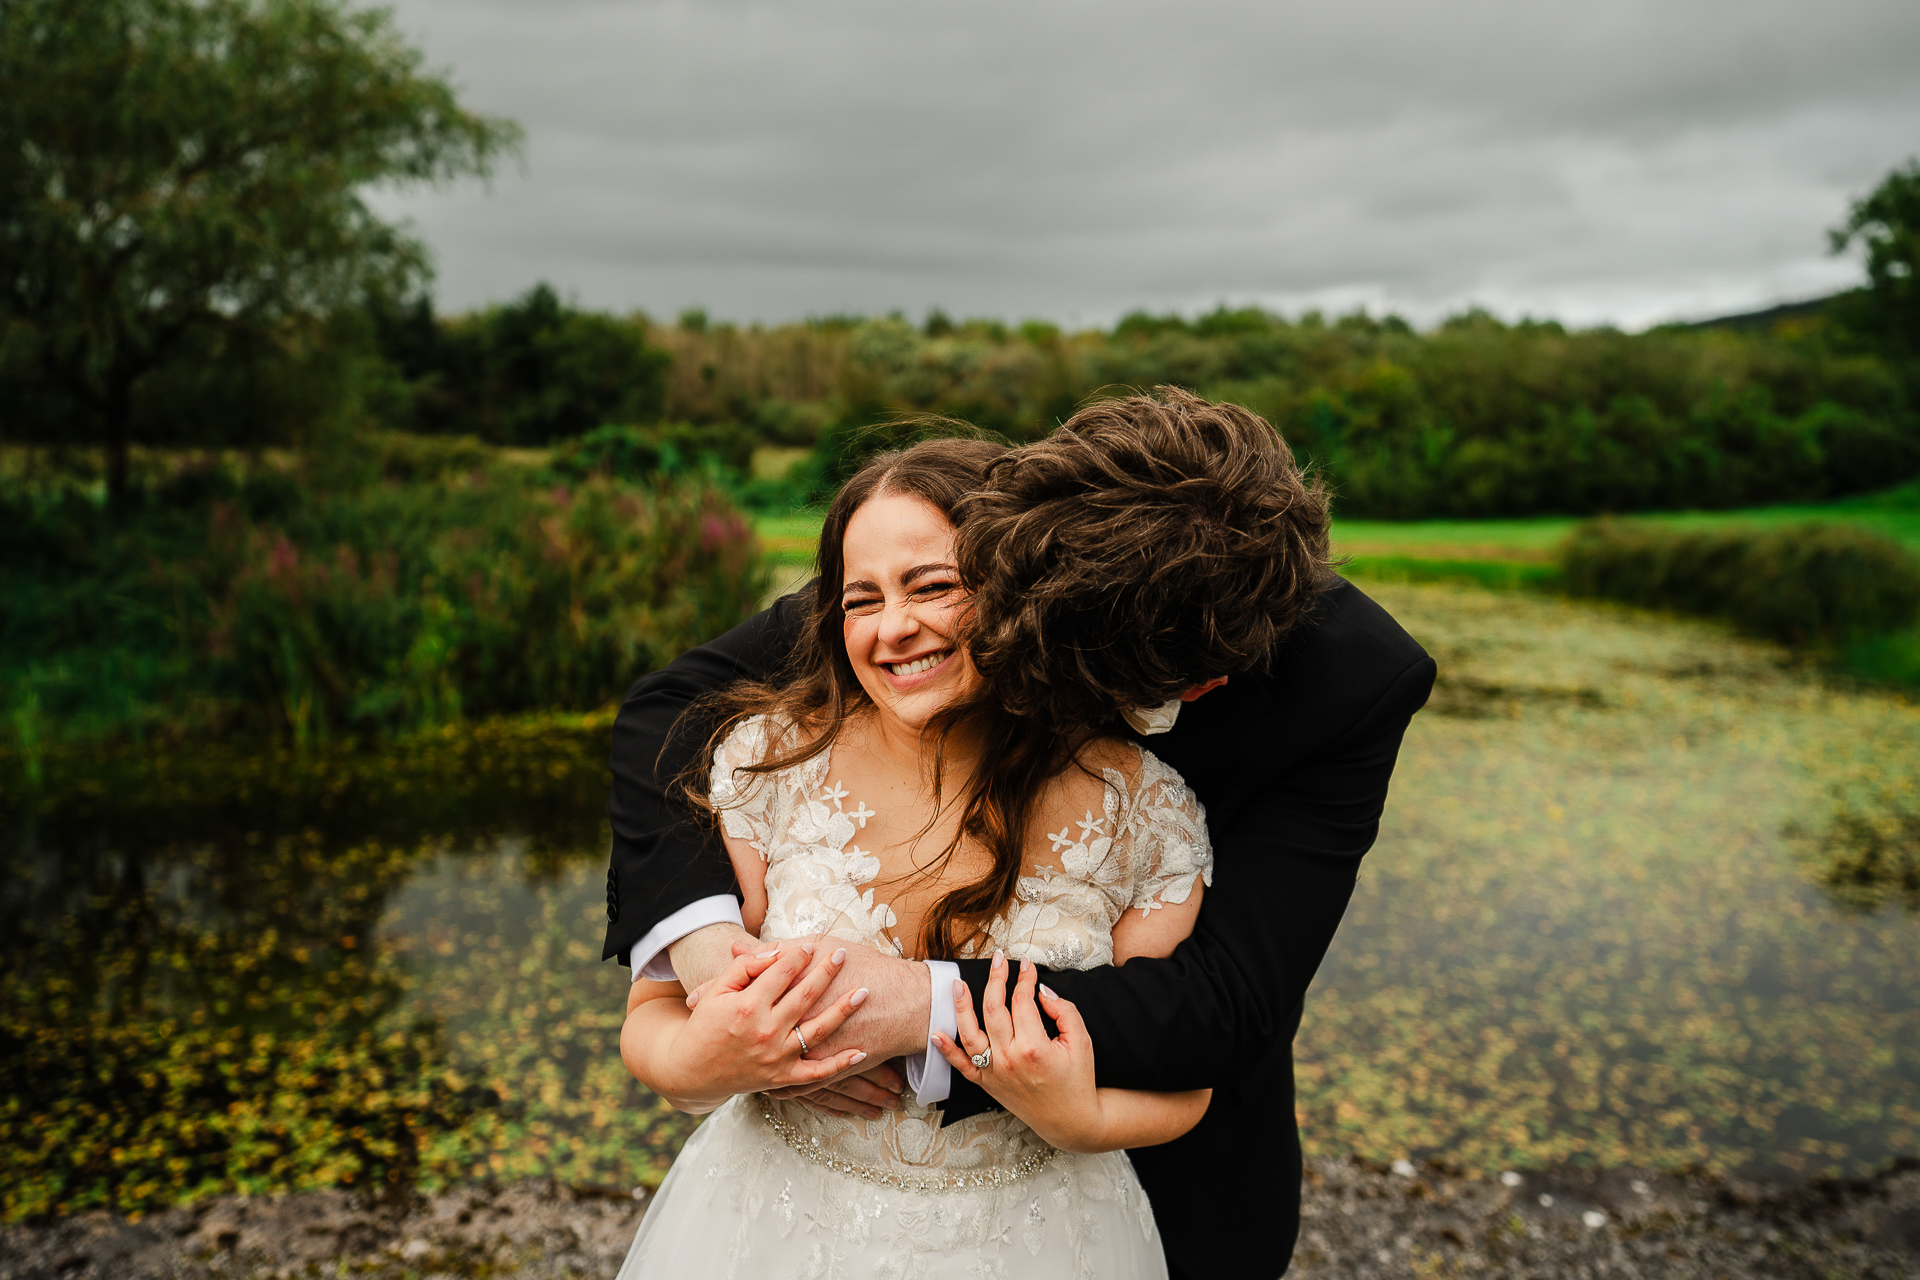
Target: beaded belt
[[809, 1147]]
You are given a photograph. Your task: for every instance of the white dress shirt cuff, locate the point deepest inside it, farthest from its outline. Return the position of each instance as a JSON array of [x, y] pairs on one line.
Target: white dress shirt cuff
[[650, 958], [929, 1075]]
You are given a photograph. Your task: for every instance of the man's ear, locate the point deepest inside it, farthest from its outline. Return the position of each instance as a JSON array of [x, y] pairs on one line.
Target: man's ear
[[1199, 689]]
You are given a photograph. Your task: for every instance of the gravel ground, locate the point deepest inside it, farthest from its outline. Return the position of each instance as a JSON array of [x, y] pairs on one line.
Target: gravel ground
[[1360, 1220]]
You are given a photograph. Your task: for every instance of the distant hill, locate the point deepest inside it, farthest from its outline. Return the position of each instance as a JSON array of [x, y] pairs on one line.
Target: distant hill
[[1763, 321]]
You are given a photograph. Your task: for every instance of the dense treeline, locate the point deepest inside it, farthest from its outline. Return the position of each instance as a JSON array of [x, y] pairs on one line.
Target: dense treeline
[[1475, 418]]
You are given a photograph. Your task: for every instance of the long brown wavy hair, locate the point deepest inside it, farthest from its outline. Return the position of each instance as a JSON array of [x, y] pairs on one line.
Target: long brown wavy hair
[[817, 694], [1147, 546]]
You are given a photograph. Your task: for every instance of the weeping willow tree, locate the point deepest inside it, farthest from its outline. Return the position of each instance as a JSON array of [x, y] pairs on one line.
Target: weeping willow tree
[[175, 169]]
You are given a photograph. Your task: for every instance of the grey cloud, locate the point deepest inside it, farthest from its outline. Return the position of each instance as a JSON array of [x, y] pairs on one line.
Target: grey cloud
[[1622, 162]]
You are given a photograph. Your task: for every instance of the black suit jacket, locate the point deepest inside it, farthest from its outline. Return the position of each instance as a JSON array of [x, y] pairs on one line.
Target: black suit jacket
[[1292, 763]]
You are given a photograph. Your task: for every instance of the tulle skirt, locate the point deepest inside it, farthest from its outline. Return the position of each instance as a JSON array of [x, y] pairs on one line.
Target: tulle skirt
[[742, 1203]]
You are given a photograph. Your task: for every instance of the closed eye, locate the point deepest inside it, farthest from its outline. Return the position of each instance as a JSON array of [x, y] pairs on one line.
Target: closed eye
[[860, 604]]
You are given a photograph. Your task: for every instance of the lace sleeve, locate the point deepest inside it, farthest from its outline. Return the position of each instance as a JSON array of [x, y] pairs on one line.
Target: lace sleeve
[[1171, 849], [744, 801]]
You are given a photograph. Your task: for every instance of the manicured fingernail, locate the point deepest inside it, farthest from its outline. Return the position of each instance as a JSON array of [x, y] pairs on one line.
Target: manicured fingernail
[[858, 1057], [764, 954], [937, 1040], [959, 989], [807, 947], [693, 1000], [840, 956], [999, 960], [1049, 990], [1025, 965], [859, 998]]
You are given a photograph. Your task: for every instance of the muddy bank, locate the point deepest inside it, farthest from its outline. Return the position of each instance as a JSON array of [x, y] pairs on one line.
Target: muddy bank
[[1364, 1220], [1359, 1220]]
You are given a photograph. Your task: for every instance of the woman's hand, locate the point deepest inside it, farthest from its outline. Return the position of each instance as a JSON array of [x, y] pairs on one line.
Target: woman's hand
[[1045, 1080], [740, 1035]]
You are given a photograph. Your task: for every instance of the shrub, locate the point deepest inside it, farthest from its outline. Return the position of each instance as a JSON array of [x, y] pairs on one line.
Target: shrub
[[264, 607], [646, 454], [532, 372], [1810, 584]]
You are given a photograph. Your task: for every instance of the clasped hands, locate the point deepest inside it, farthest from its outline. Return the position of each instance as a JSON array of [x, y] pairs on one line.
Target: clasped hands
[[747, 1030], [740, 1034]]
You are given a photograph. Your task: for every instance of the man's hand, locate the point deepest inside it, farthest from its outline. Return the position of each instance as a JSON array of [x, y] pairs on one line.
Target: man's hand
[[705, 954], [891, 1023], [742, 1038]]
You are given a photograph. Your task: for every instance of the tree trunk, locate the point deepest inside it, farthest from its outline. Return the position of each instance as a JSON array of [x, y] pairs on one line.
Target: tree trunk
[[118, 414]]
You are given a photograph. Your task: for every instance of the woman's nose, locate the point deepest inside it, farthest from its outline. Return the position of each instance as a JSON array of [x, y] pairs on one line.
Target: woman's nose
[[898, 624]]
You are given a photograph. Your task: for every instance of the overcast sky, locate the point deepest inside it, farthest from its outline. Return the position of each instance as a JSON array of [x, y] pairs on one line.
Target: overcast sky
[[1621, 161]]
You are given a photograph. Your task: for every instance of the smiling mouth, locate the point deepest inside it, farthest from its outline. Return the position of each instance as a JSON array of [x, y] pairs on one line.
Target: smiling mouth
[[918, 665]]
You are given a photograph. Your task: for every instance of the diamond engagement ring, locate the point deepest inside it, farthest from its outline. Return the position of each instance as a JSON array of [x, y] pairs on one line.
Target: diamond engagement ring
[[985, 1059], [803, 1041]]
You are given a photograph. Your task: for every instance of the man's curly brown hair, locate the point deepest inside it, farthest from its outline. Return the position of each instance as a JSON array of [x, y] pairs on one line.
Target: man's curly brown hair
[[1150, 544]]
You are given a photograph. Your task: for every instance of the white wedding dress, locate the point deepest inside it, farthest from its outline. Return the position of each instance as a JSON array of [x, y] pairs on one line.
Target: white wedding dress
[[766, 1189]]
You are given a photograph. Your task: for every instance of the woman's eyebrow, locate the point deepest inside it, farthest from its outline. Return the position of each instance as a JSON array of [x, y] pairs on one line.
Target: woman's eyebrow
[[922, 570], [860, 584]]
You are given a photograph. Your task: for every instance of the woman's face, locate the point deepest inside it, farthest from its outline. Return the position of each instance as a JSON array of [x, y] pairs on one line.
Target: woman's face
[[903, 605]]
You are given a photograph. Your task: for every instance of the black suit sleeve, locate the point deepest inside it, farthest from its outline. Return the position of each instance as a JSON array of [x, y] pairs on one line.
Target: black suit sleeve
[[1285, 865], [664, 857]]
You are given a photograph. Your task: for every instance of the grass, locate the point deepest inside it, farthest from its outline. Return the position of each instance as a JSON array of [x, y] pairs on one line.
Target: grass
[[1894, 512], [1395, 546]]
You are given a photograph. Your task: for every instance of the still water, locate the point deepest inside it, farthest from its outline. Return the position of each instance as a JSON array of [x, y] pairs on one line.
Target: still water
[[1588, 933]]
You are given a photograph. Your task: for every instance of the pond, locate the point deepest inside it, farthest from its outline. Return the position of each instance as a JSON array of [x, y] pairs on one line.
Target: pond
[[1593, 930]]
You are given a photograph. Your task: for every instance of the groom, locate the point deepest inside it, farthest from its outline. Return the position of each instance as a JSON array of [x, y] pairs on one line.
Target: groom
[[1291, 760]]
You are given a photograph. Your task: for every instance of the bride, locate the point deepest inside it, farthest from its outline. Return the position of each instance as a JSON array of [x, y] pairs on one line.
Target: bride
[[880, 794]]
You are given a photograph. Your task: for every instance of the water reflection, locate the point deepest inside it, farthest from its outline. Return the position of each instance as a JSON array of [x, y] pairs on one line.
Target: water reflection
[[1587, 933], [314, 985]]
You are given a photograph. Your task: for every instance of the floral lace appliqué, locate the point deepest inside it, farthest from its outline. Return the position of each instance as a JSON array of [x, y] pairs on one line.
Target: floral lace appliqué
[[1144, 847]]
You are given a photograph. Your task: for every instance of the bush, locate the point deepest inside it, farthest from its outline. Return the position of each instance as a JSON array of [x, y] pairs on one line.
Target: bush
[[1810, 584], [267, 606], [532, 372], [645, 454]]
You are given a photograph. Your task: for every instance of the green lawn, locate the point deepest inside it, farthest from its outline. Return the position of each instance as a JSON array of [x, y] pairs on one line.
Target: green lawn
[[1894, 512]]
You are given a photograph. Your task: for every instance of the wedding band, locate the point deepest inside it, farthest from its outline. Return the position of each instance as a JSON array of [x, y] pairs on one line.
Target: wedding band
[[985, 1059], [803, 1041]]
